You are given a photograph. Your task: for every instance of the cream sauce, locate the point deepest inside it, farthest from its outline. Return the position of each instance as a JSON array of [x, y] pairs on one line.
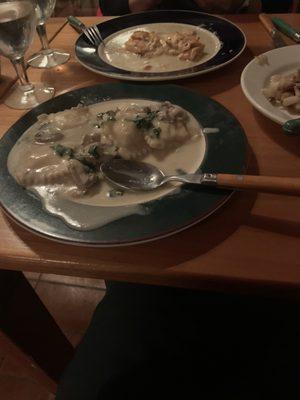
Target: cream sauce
[[113, 51], [95, 208]]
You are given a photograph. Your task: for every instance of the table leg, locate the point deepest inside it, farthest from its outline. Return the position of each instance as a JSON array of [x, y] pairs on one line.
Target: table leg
[[27, 322]]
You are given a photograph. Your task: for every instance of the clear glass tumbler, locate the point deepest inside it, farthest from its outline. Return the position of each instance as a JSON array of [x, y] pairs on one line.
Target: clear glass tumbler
[[47, 57], [17, 27]]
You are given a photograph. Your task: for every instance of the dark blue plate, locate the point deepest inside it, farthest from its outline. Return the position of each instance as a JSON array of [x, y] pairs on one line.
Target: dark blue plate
[[232, 38], [226, 152]]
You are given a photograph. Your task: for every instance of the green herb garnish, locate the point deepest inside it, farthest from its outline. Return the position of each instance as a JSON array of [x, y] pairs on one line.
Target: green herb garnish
[[109, 115], [145, 123], [115, 193], [63, 151], [85, 161], [93, 151]]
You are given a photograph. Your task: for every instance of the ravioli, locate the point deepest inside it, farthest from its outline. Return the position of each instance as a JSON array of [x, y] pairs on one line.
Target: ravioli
[[66, 149]]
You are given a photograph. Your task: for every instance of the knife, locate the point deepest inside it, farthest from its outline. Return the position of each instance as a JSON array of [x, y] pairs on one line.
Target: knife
[[272, 31], [287, 29]]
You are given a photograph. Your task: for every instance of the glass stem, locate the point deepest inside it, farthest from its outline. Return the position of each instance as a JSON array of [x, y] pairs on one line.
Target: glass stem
[[41, 30], [20, 68]]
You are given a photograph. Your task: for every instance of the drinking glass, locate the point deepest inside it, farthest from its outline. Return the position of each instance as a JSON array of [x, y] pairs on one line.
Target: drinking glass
[[46, 58], [17, 27]]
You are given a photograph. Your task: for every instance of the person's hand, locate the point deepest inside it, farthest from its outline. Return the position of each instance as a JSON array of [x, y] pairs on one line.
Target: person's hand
[[142, 5]]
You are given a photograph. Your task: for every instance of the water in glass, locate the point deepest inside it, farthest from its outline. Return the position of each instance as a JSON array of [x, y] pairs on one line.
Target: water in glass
[[17, 26]]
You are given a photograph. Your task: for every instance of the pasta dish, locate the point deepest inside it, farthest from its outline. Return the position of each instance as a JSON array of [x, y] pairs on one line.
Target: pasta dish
[[65, 149], [284, 90], [186, 46]]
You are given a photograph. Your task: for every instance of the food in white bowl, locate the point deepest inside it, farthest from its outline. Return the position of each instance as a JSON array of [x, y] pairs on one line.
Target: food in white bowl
[[284, 90]]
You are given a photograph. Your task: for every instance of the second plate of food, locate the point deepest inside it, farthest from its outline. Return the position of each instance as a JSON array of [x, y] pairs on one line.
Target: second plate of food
[[162, 45], [271, 83]]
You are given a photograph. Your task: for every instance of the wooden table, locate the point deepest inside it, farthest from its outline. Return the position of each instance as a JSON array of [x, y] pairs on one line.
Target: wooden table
[[250, 245], [252, 242]]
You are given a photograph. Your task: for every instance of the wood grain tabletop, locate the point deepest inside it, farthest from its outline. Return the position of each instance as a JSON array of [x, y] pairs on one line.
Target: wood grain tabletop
[[251, 244]]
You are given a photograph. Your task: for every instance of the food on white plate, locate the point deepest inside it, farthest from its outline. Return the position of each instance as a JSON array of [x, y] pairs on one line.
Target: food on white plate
[[284, 90], [63, 151], [186, 45], [160, 47]]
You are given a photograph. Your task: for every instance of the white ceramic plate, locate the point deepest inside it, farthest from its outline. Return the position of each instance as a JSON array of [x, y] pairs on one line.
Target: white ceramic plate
[[223, 40], [225, 151], [257, 74]]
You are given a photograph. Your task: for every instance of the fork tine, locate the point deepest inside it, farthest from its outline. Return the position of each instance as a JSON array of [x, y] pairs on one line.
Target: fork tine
[[89, 36], [98, 32], [96, 36]]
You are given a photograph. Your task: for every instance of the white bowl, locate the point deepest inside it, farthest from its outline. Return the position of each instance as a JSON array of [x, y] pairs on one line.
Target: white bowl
[[257, 74]]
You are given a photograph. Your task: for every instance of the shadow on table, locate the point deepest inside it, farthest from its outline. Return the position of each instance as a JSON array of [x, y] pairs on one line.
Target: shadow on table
[[289, 142], [288, 228], [223, 79], [67, 76], [5, 84]]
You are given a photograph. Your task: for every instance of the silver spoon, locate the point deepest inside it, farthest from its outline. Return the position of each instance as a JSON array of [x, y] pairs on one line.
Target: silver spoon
[[136, 176]]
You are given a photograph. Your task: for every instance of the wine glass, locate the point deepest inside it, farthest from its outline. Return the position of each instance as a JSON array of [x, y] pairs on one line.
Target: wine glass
[[46, 58], [17, 27]]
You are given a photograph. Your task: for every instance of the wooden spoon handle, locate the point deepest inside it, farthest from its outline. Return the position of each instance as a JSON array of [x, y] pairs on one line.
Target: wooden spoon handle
[[268, 184]]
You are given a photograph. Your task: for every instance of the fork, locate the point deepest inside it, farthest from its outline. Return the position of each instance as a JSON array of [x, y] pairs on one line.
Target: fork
[[92, 33]]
